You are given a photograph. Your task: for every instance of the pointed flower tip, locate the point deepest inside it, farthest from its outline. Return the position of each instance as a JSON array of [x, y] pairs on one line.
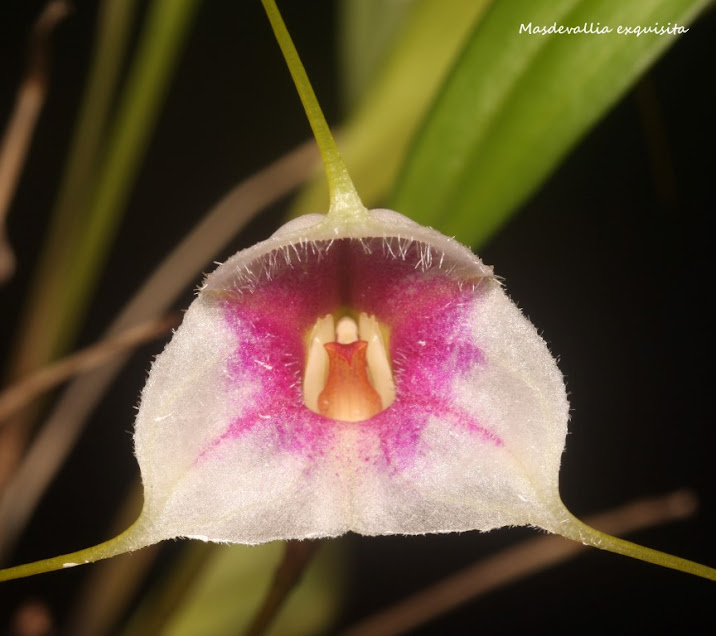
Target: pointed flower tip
[[368, 376]]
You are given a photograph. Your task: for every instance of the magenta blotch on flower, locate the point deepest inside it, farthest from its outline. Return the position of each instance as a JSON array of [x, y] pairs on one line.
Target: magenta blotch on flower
[[230, 450], [354, 372]]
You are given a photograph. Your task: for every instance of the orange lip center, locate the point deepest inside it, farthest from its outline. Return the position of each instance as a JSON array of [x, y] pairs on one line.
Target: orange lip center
[[347, 375], [348, 394]]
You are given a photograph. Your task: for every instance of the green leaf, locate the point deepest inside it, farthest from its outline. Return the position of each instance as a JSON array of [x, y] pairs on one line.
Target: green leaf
[[225, 596], [367, 28], [376, 137], [517, 102]]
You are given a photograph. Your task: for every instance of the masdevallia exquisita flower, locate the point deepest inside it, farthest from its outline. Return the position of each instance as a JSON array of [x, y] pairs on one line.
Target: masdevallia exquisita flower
[[354, 372], [361, 373]]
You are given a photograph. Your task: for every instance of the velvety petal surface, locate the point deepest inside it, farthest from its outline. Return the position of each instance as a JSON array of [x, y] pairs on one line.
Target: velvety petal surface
[[229, 452]]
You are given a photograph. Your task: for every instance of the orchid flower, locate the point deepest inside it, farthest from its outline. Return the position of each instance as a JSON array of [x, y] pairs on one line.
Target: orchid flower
[[354, 372]]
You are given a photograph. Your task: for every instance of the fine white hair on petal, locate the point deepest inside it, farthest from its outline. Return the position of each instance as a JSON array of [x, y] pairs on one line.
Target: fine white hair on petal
[[178, 397], [314, 228], [521, 390], [229, 452]]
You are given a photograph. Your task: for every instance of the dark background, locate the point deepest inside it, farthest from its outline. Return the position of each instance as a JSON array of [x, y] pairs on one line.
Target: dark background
[[609, 260]]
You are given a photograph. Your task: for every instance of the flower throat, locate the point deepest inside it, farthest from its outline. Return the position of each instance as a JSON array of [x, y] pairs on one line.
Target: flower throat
[[347, 375]]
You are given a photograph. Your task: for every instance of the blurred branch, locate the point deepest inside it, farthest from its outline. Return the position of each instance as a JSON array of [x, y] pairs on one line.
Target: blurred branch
[[36, 342], [111, 584], [518, 562], [296, 557], [15, 397], [64, 425], [34, 617], [33, 345], [74, 256], [28, 104], [76, 250], [172, 592], [657, 142]]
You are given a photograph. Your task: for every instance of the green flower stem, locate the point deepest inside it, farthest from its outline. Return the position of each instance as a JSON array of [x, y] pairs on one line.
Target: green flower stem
[[581, 532], [127, 541], [376, 137], [344, 200]]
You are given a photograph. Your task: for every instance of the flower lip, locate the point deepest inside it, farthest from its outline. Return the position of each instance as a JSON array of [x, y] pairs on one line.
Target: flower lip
[[347, 375], [348, 395]]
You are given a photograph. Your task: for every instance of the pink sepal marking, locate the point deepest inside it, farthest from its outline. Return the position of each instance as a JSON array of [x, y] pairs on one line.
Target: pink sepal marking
[[406, 286]]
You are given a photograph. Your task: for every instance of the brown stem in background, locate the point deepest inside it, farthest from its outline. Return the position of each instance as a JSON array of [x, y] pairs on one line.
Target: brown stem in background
[[166, 599], [33, 618], [30, 345], [28, 104], [657, 142], [21, 393], [296, 558], [110, 585], [519, 562], [13, 151]]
